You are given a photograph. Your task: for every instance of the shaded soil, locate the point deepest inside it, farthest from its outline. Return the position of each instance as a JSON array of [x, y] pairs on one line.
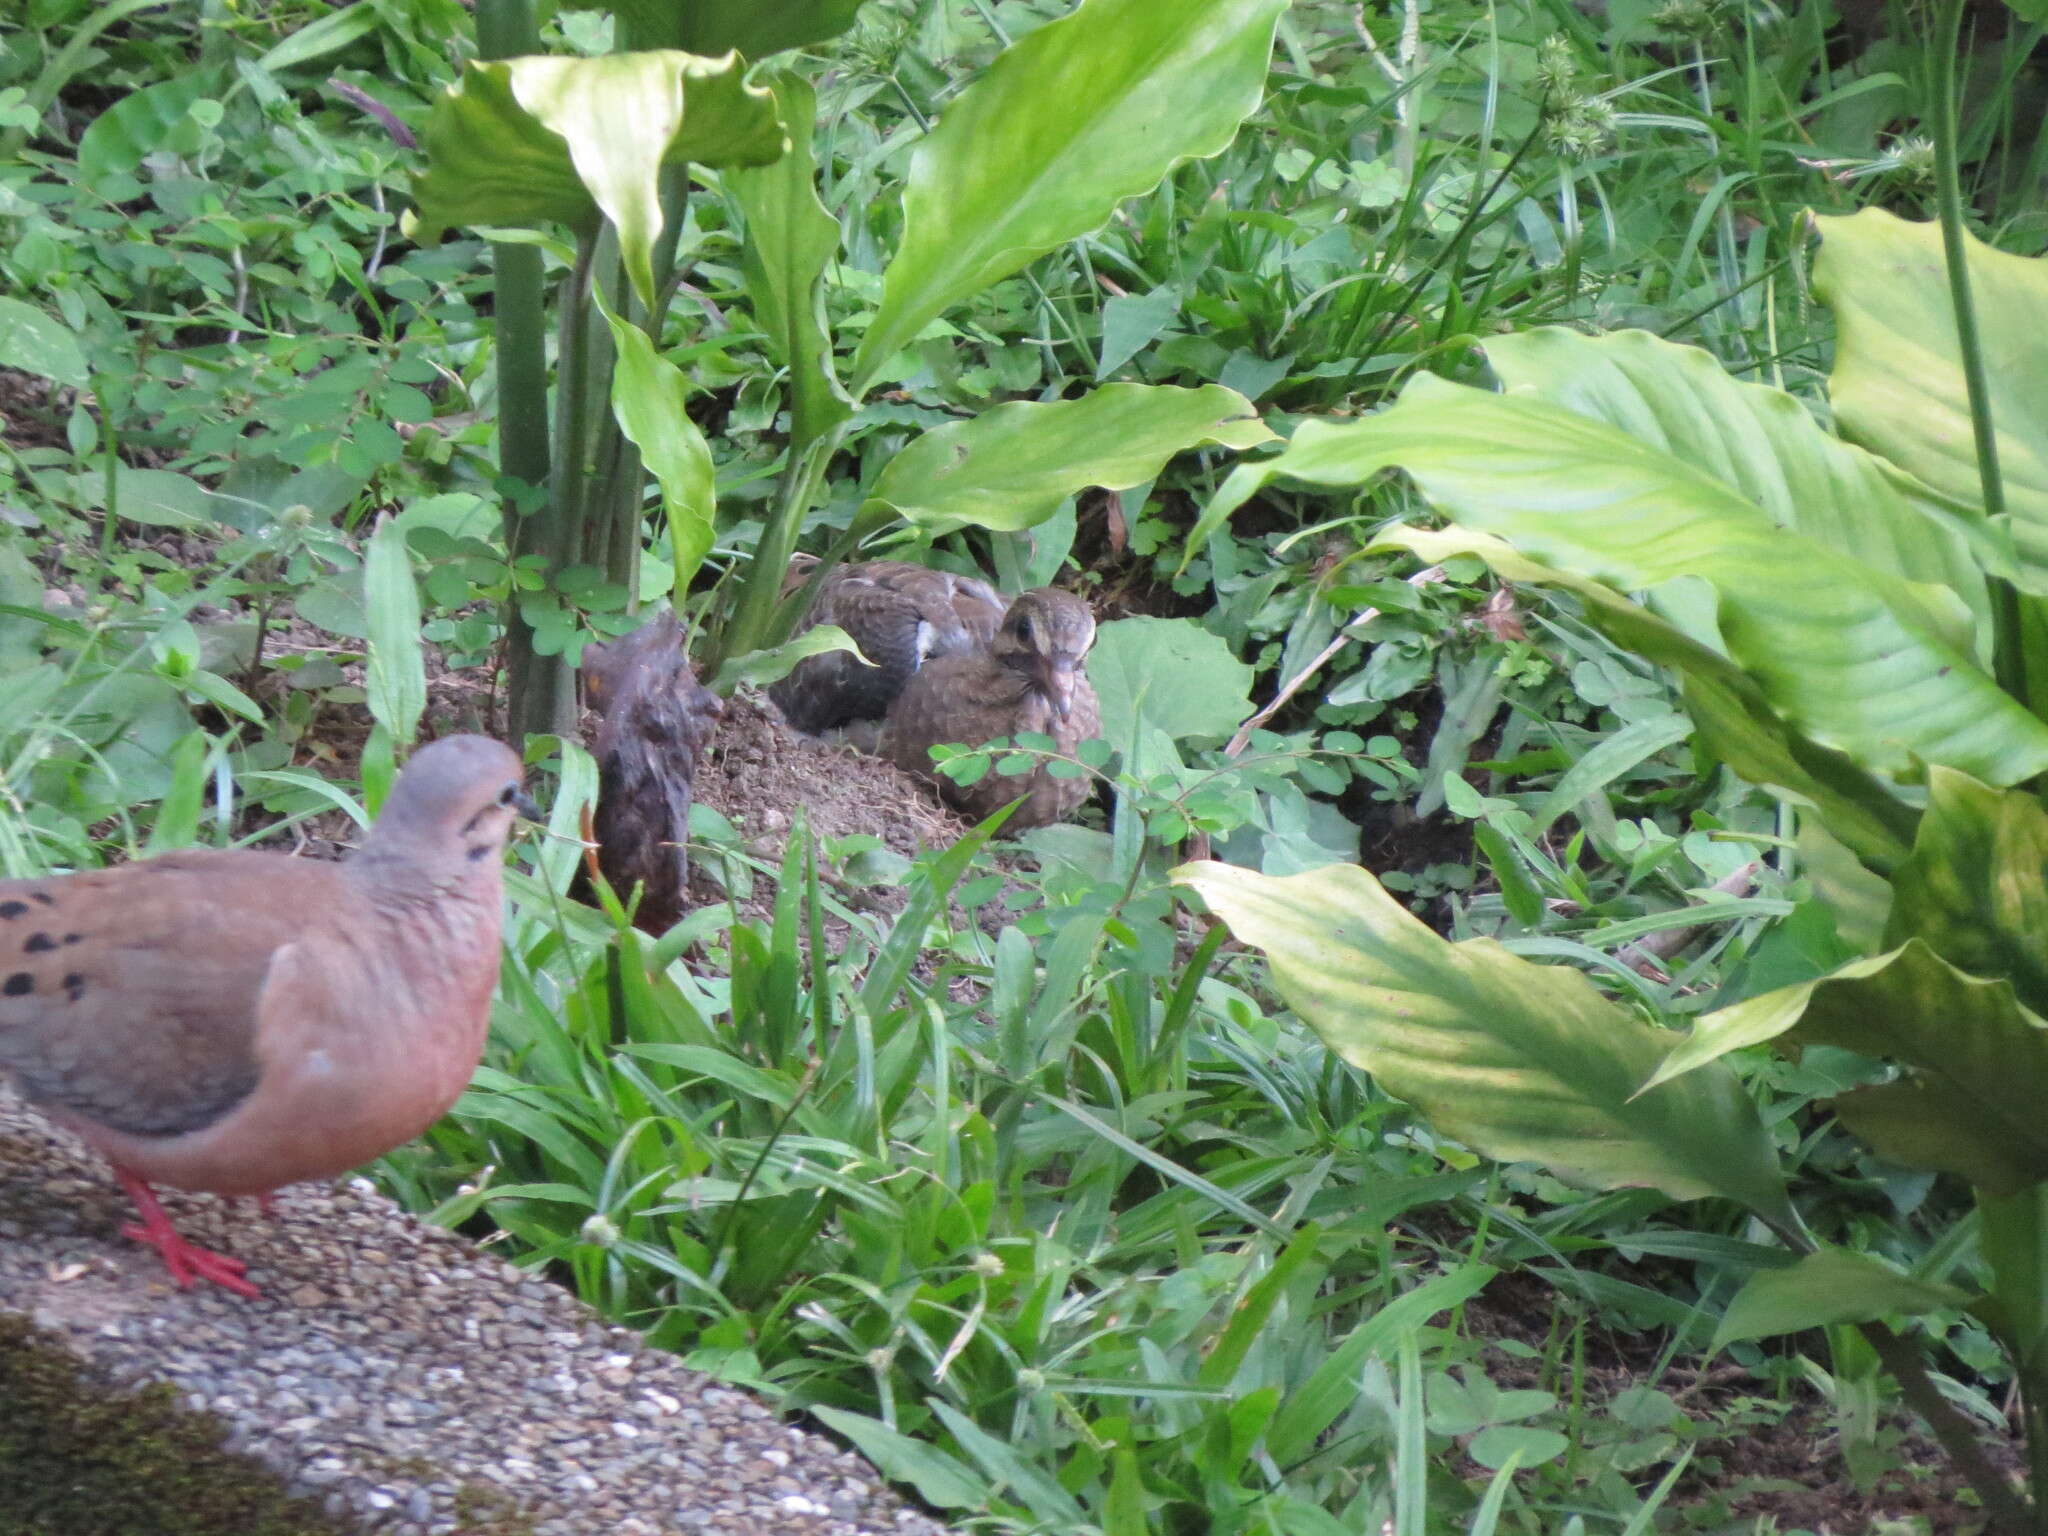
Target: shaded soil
[[1781, 1464], [29, 417], [759, 774], [762, 777]]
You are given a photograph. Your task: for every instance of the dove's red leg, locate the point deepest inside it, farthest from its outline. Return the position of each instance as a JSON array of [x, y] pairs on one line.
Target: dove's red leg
[[184, 1260]]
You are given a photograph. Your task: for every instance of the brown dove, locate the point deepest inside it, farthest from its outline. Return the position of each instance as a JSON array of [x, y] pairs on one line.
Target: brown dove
[[233, 1021], [901, 616], [1028, 678], [657, 719]]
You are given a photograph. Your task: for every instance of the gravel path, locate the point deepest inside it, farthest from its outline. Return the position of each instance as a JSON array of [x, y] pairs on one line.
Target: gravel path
[[400, 1375]]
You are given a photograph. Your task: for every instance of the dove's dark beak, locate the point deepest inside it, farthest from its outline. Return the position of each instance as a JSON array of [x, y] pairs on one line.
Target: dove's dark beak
[[1055, 676]]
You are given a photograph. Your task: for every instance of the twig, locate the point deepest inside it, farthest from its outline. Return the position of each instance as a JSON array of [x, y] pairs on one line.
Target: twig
[[2009, 1516], [1294, 684], [1654, 949]]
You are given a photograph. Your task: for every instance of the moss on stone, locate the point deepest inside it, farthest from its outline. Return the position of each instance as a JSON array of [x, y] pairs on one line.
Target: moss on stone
[[80, 1459]]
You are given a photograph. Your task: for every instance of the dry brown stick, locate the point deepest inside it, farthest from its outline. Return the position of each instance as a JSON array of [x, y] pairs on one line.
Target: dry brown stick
[[1294, 684]]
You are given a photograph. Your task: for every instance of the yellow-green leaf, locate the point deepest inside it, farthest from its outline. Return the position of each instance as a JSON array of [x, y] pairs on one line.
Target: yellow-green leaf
[[528, 141]]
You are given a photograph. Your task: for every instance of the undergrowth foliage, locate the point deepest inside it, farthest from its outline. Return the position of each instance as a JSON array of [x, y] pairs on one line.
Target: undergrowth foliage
[[1016, 1171]]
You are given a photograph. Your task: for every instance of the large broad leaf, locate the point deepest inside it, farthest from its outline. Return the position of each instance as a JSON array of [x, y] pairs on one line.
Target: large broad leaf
[[1520, 1061], [1897, 384], [1976, 886], [527, 141], [1848, 655], [1760, 442], [2012, 1234], [1972, 1104], [1831, 1286], [1067, 123], [790, 238], [754, 28], [1169, 675], [1734, 720], [1012, 466], [648, 401], [36, 343], [157, 117]]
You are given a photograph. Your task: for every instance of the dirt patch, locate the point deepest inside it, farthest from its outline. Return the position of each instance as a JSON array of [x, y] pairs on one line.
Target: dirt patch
[[1778, 1464], [760, 775], [33, 411]]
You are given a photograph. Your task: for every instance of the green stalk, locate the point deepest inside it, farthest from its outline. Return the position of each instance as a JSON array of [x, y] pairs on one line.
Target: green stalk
[[754, 619], [2008, 656], [2009, 1516], [534, 685]]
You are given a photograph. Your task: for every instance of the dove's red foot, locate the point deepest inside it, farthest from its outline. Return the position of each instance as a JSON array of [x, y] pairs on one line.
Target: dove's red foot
[[186, 1261]]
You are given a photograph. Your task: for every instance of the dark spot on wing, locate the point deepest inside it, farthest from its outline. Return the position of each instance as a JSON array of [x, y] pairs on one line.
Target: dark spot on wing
[[37, 943], [74, 986], [479, 853], [42, 898], [10, 910], [20, 984], [73, 938]]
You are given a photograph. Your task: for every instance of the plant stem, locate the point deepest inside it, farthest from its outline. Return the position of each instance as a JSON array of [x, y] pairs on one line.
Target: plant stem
[[506, 28], [2009, 1515], [2008, 658], [754, 619]]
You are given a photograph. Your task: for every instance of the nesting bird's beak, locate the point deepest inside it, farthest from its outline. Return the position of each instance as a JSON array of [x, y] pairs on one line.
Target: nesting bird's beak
[[1055, 677], [527, 806]]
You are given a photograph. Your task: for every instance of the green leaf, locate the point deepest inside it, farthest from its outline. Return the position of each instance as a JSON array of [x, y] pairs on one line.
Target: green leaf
[[648, 400], [1608, 760], [1502, 1445], [1029, 1482], [938, 1478], [2013, 1237], [1735, 721], [1013, 465], [526, 141], [331, 33], [177, 819], [395, 676], [1897, 385], [1831, 1286], [222, 695], [755, 29], [1520, 1061], [1976, 886], [1848, 655], [1980, 1060], [1760, 442], [790, 239], [1131, 321], [1169, 675], [34, 342], [772, 665], [1068, 122], [160, 498], [1332, 1387], [137, 125], [1859, 900], [1254, 1311]]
